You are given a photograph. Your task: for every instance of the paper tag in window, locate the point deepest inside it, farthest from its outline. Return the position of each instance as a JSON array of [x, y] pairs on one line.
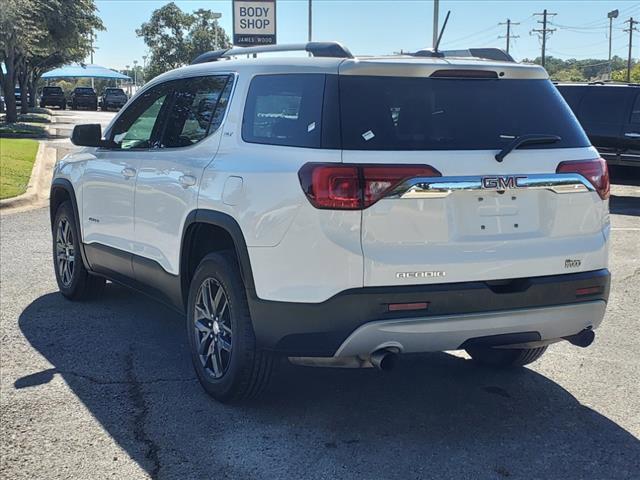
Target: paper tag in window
[[368, 135], [311, 127]]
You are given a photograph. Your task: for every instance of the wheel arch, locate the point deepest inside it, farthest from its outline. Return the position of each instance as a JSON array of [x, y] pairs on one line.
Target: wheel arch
[[62, 190], [207, 231]]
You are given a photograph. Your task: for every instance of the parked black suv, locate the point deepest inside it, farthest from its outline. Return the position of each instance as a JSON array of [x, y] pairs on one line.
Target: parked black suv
[[610, 115], [53, 97], [84, 97], [113, 98]]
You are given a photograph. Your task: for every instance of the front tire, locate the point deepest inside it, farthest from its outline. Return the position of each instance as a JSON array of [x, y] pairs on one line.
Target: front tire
[[504, 358], [221, 338], [74, 282]]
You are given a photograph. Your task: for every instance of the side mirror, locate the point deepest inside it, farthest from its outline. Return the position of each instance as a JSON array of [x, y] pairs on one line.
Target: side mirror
[[89, 135]]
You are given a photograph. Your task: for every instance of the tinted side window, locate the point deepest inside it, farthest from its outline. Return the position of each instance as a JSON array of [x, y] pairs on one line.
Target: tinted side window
[[196, 110], [572, 95], [284, 110], [136, 126], [635, 112], [604, 105]]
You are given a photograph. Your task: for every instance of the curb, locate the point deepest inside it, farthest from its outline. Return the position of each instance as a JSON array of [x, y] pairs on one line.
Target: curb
[[37, 193]]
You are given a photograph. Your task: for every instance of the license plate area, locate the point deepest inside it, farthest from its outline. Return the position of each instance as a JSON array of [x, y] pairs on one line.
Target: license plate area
[[487, 214]]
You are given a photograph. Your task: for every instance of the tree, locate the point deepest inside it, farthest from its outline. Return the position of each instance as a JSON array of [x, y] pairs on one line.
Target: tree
[[18, 36], [174, 37], [621, 75], [37, 35]]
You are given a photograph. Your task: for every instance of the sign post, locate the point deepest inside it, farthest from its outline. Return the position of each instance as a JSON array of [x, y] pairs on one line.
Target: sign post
[[254, 22]]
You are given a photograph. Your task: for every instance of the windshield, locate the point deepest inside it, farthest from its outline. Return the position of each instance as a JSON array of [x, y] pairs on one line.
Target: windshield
[[408, 113]]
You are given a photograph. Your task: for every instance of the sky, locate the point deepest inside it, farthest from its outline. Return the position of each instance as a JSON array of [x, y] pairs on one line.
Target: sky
[[387, 26]]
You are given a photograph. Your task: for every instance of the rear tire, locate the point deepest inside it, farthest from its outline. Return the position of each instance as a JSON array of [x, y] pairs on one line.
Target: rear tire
[[220, 333], [74, 282], [498, 357]]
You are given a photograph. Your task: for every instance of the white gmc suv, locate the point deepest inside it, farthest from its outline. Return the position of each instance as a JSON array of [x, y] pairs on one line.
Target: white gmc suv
[[342, 211]]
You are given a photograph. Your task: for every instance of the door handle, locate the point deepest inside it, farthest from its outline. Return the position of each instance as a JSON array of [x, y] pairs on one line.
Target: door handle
[[632, 135], [187, 181], [128, 172]]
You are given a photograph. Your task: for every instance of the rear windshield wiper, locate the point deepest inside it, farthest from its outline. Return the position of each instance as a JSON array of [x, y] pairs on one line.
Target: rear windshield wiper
[[529, 139]]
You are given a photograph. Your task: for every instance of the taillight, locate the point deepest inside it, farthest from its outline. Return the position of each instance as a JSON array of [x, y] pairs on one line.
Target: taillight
[[595, 171], [340, 186]]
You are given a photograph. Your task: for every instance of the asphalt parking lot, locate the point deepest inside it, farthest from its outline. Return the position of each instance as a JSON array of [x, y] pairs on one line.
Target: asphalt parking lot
[[105, 389]]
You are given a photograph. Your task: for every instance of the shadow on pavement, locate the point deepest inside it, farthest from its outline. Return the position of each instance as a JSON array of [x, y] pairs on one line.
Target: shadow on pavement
[[436, 415], [623, 205]]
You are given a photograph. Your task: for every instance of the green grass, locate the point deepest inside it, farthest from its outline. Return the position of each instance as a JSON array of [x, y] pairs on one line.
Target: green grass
[[16, 161]]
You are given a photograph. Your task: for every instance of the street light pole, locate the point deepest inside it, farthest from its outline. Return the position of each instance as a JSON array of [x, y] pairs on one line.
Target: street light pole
[[216, 16], [310, 19], [144, 69], [436, 7], [135, 74], [611, 15]]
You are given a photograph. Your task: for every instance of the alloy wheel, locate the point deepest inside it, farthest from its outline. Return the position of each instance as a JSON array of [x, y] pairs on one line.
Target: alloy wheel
[[212, 328], [65, 252]]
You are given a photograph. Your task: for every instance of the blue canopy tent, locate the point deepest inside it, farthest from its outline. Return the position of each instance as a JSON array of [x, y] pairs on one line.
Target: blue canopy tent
[[86, 71]]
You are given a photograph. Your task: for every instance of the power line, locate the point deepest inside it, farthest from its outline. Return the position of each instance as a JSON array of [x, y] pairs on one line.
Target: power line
[[508, 36], [544, 31]]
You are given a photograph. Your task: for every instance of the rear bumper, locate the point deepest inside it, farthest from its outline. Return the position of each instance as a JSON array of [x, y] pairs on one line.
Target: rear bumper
[[451, 332], [323, 329]]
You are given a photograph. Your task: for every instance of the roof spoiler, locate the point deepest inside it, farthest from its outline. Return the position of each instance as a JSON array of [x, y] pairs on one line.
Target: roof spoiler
[[485, 53], [317, 49]]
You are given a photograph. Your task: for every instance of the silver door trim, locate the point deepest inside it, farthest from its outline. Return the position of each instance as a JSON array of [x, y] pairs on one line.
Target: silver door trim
[[440, 187]]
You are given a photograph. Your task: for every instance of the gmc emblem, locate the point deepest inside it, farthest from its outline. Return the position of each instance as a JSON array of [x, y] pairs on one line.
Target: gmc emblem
[[500, 182]]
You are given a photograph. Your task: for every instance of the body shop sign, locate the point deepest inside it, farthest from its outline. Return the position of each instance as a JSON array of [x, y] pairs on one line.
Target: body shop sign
[[254, 22]]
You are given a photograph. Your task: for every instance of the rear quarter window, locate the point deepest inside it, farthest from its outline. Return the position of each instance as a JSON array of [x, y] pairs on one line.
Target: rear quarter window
[[284, 110]]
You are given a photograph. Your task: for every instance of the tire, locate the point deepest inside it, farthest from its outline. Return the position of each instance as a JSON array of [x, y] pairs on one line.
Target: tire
[[230, 367], [74, 282], [74, 106], [63, 106], [497, 357]]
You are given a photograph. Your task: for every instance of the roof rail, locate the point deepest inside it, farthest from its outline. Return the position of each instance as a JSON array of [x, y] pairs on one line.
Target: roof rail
[[486, 53], [317, 49]]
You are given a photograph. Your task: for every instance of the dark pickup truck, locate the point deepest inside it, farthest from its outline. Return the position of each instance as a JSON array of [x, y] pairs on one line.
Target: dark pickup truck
[[610, 115], [53, 97], [113, 98], [84, 97]]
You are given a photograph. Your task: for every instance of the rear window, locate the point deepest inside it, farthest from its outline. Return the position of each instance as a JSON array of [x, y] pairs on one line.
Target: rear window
[[408, 113], [50, 90], [85, 91], [114, 91]]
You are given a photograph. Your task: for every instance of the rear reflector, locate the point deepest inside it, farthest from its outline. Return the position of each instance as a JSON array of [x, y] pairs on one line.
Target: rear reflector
[[340, 186], [595, 171], [399, 307], [580, 292]]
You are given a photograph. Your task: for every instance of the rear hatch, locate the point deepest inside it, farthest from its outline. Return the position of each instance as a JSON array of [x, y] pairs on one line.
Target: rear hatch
[[465, 215]]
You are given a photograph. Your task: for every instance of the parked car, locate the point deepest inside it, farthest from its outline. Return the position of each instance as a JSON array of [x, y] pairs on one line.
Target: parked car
[[18, 96], [84, 97], [610, 115], [53, 97], [342, 211], [113, 98]]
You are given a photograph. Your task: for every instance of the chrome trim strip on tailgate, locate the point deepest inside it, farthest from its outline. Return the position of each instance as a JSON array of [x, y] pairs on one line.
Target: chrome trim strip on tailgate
[[440, 187]]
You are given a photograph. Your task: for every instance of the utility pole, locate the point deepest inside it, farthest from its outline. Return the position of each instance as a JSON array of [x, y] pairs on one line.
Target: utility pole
[[144, 69], [436, 7], [544, 32], [508, 36], [631, 29], [310, 20]]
